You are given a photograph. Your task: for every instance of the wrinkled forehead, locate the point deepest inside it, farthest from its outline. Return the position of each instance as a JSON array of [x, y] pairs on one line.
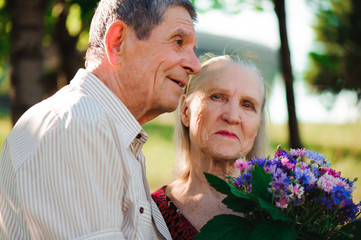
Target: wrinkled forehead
[[226, 69]]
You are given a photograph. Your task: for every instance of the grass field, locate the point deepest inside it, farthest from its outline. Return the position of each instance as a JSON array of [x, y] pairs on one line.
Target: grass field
[[340, 143]]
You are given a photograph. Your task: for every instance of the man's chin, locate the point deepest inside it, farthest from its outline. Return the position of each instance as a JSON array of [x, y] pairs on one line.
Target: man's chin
[[170, 109], [171, 105]]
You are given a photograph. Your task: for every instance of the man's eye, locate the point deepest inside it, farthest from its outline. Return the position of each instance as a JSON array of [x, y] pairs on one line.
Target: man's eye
[[179, 42]]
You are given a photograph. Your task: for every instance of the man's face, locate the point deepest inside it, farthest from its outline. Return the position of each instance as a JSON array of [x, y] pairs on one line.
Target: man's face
[[158, 68]]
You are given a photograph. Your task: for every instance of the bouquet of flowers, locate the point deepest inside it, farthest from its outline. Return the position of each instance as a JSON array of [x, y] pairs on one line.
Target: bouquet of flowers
[[294, 195]]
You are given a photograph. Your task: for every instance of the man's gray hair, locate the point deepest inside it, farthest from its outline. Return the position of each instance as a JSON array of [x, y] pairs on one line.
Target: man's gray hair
[[141, 15]]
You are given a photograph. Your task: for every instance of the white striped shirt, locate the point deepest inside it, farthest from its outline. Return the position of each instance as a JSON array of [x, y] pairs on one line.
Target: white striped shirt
[[72, 168]]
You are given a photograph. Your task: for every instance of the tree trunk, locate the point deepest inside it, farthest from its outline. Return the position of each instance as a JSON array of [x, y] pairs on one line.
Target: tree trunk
[[26, 54], [295, 141], [71, 59]]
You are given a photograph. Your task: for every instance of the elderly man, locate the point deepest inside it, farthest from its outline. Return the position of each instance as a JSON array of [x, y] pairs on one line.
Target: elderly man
[[72, 167]]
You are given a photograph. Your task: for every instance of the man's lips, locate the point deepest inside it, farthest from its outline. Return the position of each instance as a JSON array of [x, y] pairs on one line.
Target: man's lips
[[227, 134], [180, 83]]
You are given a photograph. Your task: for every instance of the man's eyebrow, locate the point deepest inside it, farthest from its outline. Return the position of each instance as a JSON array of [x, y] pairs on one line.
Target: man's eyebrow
[[181, 31]]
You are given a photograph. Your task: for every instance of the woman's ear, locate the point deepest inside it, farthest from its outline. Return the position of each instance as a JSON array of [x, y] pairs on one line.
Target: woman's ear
[[184, 112], [113, 40]]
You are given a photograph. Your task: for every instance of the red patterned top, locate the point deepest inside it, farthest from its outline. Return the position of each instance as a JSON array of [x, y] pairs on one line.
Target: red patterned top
[[179, 227]]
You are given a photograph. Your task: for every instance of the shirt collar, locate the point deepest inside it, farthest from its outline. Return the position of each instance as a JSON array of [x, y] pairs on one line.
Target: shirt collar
[[124, 120]]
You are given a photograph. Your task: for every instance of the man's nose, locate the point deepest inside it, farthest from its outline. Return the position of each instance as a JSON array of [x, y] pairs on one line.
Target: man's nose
[[191, 63]]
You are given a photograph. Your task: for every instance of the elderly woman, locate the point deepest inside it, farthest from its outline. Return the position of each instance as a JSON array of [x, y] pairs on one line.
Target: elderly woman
[[220, 119]]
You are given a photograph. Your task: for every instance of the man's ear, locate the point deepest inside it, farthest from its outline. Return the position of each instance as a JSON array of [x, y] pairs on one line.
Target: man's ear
[[184, 112], [113, 40]]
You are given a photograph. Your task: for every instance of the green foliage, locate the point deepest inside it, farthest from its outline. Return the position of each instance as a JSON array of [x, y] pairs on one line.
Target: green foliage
[[235, 200], [261, 182], [275, 230], [234, 227], [258, 200], [336, 65], [354, 227], [230, 7], [225, 227], [5, 27], [78, 15]]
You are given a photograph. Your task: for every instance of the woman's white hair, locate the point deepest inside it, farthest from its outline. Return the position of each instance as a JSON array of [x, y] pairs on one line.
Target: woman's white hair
[[182, 139]]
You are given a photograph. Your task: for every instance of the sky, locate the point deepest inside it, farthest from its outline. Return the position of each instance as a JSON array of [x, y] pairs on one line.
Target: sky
[[262, 28]]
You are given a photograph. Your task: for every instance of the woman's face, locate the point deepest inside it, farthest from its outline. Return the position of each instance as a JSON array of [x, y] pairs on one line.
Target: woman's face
[[225, 113]]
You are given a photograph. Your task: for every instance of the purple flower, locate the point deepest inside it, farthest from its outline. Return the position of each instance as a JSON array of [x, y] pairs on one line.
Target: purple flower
[[350, 209], [260, 161], [318, 158], [339, 195], [305, 177], [302, 181], [298, 152]]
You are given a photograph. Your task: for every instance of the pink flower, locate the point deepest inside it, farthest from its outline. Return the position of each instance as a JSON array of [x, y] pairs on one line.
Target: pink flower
[[304, 165], [283, 203], [285, 162], [327, 182], [330, 171], [297, 190], [242, 164]]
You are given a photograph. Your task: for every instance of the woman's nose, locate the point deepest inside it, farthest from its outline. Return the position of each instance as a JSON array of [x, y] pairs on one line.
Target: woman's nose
[[231, 113]]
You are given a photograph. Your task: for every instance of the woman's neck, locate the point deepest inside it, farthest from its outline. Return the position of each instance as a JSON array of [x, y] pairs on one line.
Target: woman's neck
[[195, 198]]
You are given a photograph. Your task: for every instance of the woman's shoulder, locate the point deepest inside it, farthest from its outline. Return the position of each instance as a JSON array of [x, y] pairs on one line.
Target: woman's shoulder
[[159, 196], [178, 225]]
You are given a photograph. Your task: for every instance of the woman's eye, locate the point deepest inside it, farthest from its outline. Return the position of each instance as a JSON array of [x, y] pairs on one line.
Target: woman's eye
[[216, 97], [248, 106]]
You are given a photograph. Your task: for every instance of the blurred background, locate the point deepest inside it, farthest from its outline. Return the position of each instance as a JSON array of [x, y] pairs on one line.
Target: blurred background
[[308, 50]]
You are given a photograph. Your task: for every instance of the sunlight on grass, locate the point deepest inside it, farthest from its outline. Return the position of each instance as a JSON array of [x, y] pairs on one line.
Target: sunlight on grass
[[160, 154], [5, 127]]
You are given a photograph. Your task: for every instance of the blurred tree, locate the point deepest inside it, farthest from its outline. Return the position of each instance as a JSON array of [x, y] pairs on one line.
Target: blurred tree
[[279, 8], [336, 65], [26, 55], [47, 41]]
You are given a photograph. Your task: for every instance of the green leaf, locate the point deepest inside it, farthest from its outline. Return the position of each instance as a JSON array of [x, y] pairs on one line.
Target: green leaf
[[353, 228], [222, 186], [275, 212], [261, 183], [310, 236], [218, 183], [273, 230], [239, 204], [225, 226], [235, 200]]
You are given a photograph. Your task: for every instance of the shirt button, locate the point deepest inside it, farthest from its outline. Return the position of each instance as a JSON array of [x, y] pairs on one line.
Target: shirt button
[[139, 136], [141, 210]]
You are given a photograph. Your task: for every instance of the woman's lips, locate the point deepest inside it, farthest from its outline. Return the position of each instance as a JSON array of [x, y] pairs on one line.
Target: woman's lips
[[227, 134]]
